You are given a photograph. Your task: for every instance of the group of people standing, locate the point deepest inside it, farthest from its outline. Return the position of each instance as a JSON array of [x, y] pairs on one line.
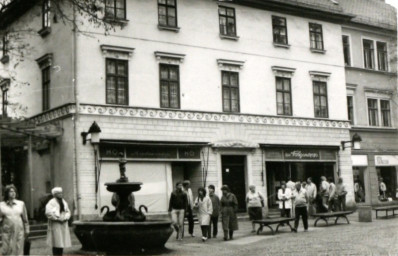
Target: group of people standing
[[208, 208], [303, 199], [15, 224]]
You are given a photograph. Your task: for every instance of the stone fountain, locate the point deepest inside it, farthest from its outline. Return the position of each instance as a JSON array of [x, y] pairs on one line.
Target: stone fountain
[[126, 229]]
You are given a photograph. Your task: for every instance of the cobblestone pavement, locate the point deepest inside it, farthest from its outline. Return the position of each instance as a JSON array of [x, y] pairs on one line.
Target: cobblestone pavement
[[379, 237]]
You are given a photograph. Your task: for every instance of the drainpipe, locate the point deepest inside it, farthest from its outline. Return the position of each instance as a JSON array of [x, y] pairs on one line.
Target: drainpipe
[[77, 196]]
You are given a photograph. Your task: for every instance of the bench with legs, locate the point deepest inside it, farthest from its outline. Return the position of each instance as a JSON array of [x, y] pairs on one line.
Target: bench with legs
[[326, 215], [392, 208], [268, 222]]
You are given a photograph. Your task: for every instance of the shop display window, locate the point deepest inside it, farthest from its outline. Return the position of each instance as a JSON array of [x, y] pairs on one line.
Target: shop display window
[[387, 182], [359, 184]]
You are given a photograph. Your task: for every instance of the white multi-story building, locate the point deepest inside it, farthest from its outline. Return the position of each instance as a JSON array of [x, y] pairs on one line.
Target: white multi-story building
[[237, 93]]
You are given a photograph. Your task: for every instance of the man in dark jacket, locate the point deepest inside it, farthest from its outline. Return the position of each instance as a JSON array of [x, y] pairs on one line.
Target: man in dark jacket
[[177, 206], [215, 200]]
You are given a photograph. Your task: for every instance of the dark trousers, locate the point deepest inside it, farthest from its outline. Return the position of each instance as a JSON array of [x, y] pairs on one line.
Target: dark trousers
[[285, 213], [214, 223], [340, 203], [58, 251], [301, 211], [205, 230], [189, 216], [331, 204]]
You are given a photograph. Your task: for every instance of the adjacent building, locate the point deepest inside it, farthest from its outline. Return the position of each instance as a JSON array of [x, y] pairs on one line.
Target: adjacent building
[[237, 93]]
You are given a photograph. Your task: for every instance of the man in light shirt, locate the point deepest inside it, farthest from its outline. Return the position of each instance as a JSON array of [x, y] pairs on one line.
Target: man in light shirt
[[311, 193], [324, 192], [341, 193], [300, 205], [189, 214], [332, 194]]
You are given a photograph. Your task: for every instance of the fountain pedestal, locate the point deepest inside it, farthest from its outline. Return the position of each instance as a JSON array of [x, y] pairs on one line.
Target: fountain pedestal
[[125, 229]]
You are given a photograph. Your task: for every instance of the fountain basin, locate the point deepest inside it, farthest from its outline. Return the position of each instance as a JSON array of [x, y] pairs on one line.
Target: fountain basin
[[100, 236], [126, 187]]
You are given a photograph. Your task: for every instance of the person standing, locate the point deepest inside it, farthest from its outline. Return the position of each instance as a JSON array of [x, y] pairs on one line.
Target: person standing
[[254, 201], [58, 214], [189, 214], [292, 186], [341, 193], [324, 192], [311, 194], [300, 205], [177, 205], [285, 202], [332, 195], [383, 189], [229, 206], [204, 209], [215, 201], [14, 223]]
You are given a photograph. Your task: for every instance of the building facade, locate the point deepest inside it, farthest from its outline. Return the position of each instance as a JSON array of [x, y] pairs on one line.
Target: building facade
[[214, 92], [370, 49]]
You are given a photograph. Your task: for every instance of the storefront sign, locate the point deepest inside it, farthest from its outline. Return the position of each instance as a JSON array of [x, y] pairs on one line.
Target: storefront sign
[[149, 152], [301, 154], [386, 160], [359, 160]]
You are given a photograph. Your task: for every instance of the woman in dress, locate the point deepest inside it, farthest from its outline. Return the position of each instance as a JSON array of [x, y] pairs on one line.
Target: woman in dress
[[229, 206], [254, 201], [204, 209], [14, 223]]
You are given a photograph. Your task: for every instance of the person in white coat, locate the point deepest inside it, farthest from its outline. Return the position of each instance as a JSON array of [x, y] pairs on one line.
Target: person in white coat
[[204, 209], [284, 196], [58, 214]]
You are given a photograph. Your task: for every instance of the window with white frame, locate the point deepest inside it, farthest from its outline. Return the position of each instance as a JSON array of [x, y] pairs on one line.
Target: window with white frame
[[346, 50], [379, 112], [382, 56], [350, 108], [368, 54]]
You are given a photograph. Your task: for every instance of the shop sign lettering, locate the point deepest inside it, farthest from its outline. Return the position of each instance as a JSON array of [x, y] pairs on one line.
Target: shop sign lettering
[[301, 154], [381, 161]]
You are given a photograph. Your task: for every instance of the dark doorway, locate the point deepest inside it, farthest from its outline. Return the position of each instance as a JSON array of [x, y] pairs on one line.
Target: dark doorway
[[233, 175], [298, 171]]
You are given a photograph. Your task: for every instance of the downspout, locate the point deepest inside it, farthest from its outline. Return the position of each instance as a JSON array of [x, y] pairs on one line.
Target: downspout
[[77, 195]]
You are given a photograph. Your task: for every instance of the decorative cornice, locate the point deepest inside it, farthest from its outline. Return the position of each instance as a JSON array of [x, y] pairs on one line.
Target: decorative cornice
[[234, 65], [351, 86], [378, 91], [236, 144], [171, 58], [5, 84], [116, 51], [54, 114], [283, 71], [319, 76], [45, 60]]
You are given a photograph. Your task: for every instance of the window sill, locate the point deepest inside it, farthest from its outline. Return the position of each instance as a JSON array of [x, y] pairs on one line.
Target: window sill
[[5, 59], [120, 22], [318, 51], [44, 31], [287, 46], [235, 38], [374, 129], [174, 29]]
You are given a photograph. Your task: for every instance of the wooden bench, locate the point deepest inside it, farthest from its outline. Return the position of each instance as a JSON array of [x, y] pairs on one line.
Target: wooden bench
[[271, 221], [325, 216], [386, 208]]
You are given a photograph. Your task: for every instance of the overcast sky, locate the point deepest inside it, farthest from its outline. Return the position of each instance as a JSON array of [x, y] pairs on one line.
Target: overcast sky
[[393, 3]]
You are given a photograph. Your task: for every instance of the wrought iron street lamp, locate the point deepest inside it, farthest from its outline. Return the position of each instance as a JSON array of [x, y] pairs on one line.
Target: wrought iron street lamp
[[355, 143], [95, 131]]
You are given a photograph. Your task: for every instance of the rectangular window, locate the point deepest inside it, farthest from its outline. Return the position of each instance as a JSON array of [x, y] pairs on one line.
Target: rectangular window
[[382, 56], [116, 82], [316, 36], [167, 13], [5, 45], [4, 102], [230, 91], [46, 81], [373, 112], [320, 99], [279, 29], [169, 86], [283, 96], [385, 113], [347, 50], [115, 9], [227, 21], [368, 54], [350, 108], [46, 13]]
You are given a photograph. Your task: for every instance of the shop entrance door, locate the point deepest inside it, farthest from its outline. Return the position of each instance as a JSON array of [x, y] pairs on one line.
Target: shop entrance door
[[233, 175]]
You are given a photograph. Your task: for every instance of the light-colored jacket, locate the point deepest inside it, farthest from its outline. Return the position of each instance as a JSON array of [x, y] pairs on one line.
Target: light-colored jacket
[[311, 191], [204, 209], [324, 189], [287, 196], [58, 234], [300, 198]]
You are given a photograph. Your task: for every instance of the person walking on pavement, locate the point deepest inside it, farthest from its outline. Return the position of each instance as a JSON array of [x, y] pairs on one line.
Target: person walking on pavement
[[285, 202], [324, 192], [215, 201], [300, 205], [229, 206], [341, 193], [58, 214], [177, 205], [292, 186], [311, 193], [189, 214], [254, 202], [332, 195], [14, 223], [204, 208]]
